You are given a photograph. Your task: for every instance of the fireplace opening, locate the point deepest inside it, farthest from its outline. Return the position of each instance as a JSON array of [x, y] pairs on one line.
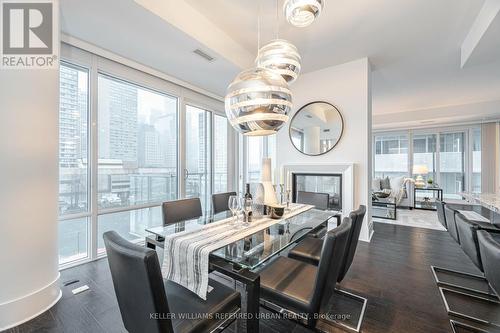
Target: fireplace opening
[[327, 183]]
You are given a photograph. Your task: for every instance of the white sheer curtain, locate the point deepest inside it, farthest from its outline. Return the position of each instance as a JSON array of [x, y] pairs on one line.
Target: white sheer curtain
[[490, 157]]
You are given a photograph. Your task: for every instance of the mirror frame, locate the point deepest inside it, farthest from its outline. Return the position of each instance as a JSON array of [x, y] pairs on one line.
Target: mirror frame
[[298, 111]]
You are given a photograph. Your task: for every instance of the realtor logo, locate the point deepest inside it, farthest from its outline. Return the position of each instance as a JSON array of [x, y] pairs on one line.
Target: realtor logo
[[29, 34]]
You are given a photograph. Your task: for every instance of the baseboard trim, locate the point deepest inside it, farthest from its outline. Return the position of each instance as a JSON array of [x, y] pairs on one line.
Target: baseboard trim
[[22, 309]]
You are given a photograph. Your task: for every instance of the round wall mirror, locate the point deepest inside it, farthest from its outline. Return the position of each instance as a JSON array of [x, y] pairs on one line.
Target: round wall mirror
[[316, 128]]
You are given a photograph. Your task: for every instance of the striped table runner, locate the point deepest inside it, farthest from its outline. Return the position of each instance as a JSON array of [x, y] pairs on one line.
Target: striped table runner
[[186, 254]]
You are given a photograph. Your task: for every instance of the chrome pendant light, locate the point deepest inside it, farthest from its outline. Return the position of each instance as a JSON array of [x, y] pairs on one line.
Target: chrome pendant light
[[282, 57], [301, 13], [258, 102]]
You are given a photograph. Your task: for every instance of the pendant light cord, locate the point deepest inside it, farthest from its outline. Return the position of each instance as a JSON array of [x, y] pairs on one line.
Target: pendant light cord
[[277, 20], [258, 34]]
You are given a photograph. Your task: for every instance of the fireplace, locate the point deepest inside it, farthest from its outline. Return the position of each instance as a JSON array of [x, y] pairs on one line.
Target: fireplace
[[329, 183]]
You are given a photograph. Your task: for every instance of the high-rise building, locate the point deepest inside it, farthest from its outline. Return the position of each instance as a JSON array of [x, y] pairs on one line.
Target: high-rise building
[[165, 125], [150, 154], [83, 111], [204, 158], [117, 121], [69, 118]]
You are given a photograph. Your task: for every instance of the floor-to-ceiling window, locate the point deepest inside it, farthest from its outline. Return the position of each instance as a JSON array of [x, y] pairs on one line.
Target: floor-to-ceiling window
[[221, 127], [74, 178], [257, 148], [125, 148], [137, 156], [255, 153], [424, 155], [476, 161], [450, 157], [452, 164], [391, 155], [198, 155]]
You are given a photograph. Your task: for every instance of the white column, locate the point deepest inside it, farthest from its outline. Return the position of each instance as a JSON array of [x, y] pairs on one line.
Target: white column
[[29, 104], [312, 140]]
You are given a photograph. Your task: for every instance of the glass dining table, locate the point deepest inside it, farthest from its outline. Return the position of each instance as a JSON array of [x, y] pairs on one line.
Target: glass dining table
[[241, 259]]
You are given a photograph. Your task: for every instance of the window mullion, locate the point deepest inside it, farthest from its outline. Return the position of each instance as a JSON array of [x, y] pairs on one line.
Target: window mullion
[[93, 155]]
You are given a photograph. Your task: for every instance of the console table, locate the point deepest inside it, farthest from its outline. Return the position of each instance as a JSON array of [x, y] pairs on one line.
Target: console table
[[429, 201]]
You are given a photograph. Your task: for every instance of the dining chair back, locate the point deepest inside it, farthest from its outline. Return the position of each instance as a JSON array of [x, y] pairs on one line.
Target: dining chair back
[[467, 233], [450, 221], [142, 294], [440, 212], [220, 202], [357, 217], [181, 210], [319, 200], [330, 263], [489, 247], [138, 284]]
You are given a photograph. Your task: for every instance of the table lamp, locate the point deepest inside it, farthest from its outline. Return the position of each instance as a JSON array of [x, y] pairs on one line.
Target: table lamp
[[420, 170], [265, 190]]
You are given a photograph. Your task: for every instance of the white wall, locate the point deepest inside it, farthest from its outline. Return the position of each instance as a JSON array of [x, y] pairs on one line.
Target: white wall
[[347, 86], [28, 193]]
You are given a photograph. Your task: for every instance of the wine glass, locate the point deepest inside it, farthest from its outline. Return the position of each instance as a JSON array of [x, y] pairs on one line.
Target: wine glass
[[247, 208], [239, 210], [233, 204]]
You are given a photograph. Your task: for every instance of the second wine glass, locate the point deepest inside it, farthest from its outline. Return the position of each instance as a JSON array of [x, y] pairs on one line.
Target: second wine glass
[[233, 205]]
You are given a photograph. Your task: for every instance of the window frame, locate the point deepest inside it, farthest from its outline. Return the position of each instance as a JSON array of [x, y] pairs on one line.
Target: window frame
[[103, 211], [468, 131], [96, 62], [243, 157], [88, 213]]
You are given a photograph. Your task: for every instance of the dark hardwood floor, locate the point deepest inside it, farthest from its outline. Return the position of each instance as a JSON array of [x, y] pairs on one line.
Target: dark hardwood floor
[[392, 271]]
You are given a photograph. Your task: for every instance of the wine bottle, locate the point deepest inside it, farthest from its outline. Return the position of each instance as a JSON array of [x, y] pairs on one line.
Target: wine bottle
[[248, 201]]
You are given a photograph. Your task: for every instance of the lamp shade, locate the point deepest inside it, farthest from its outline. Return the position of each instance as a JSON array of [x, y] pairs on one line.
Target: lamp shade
[[258, 102], [301, 13], [420, 169], [265, 192], [282, 57]]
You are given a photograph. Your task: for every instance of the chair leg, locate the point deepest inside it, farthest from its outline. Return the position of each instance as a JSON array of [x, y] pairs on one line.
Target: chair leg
[[357, 298], [473, 279], [478, 309], [458, 327]]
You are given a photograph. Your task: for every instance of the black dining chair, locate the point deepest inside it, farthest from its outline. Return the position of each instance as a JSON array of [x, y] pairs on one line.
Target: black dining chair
[[220, 202], [489, 247], [150, 304], [467, 233], [309, 249], [452, 209], [449, 213], [298, 288], [181, 210], [319, 200], [440, 212]]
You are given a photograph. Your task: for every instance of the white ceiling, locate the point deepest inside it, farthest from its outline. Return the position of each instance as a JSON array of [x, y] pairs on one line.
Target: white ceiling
[[413, 45], [131, 31]]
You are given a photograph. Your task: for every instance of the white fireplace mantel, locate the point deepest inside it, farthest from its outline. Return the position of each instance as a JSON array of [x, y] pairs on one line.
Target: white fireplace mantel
[[346, 169]]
